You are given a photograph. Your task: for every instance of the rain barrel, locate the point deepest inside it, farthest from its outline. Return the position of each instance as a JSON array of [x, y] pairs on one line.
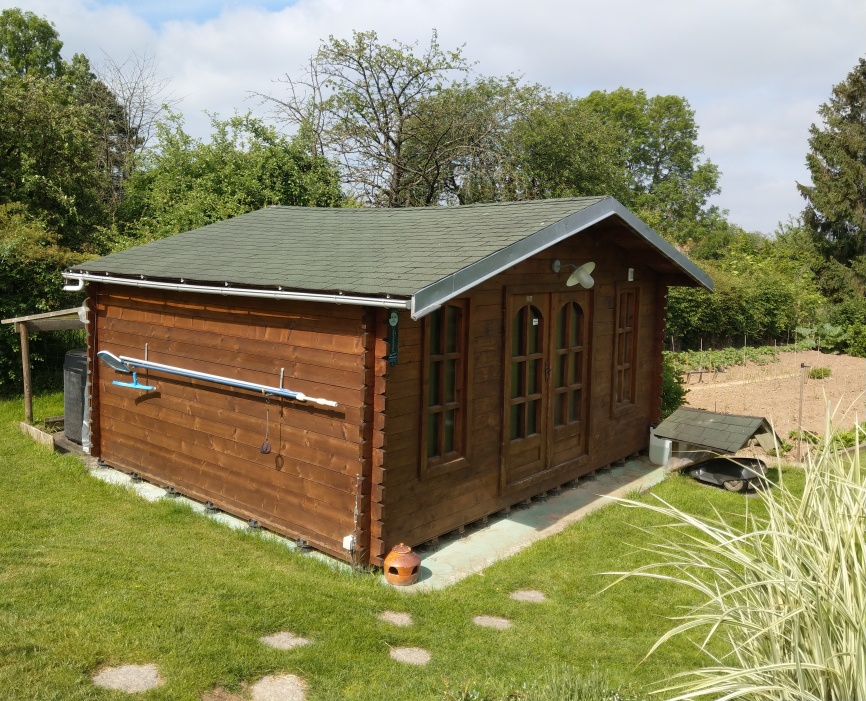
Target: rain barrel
[[74, 381]]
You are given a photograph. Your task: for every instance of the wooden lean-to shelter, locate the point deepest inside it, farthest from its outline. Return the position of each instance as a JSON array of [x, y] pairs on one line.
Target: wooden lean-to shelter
[[467, 374]]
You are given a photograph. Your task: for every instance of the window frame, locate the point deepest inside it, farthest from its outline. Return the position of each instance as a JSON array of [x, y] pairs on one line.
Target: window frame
[[619, 406], [458, 457], [568, 352]]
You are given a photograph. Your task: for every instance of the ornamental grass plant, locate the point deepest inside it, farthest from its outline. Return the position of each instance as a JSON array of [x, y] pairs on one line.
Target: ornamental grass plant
[[783, 589]]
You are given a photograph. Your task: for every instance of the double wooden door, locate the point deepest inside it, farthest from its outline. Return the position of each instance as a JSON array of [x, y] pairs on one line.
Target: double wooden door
[[546, 404]]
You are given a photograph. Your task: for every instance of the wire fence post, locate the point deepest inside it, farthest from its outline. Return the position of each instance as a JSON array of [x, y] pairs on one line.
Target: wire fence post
[[803, 370]]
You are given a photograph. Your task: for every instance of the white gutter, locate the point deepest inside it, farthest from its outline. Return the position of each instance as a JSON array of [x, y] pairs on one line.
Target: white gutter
[[77, 287], [228, 291]]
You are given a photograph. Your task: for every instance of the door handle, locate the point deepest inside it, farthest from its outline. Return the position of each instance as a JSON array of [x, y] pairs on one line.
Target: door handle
[[547, 373]]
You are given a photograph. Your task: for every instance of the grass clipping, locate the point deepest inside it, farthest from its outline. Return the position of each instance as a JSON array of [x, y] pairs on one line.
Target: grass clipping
[[784, 590]]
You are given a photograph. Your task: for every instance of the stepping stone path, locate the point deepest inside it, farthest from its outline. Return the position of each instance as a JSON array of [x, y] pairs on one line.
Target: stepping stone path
[[492, 622], [528, 595], [395, 618], [131, 678], [284, 640], [410, 655], [283, 687]]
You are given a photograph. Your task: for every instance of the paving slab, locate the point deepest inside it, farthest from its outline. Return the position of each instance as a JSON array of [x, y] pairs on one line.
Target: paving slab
[[396, 618], [283, 687], [454, 560], [131, 678], [492, 622], [410, 655], [284, 640]]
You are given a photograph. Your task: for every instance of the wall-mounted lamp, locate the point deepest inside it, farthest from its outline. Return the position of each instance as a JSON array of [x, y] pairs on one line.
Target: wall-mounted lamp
[[581, 275]]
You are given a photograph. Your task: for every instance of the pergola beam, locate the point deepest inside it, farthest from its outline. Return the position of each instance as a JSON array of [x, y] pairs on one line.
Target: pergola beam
[[47, 321], [21, 326]]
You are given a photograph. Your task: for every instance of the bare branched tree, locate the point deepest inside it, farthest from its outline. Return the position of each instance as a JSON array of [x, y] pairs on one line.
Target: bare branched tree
[[143, 96], [370, 107], [303, 107]]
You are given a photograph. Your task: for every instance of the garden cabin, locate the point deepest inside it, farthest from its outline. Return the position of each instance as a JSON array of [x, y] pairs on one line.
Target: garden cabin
[[467, 358]]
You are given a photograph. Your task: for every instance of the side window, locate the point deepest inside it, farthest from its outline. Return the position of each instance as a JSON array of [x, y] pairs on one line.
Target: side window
[[443, 438], [625, 346], [569, 365], [527, 373]]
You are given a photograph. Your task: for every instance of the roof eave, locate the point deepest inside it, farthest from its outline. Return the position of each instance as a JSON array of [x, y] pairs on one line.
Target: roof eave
[[433, 296], [227, 290]]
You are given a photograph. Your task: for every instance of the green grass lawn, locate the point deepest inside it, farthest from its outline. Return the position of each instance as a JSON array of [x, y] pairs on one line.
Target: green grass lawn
[[92, 575]]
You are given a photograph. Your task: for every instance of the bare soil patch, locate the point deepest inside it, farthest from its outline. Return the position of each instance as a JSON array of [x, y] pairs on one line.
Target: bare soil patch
[[773, 391]]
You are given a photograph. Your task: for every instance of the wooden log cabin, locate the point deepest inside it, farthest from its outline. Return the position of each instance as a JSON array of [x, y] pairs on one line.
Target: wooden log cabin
[[467, 374]]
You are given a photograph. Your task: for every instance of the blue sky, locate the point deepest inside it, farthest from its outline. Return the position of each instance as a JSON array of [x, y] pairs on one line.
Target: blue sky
[[755, 71], [157, 12]]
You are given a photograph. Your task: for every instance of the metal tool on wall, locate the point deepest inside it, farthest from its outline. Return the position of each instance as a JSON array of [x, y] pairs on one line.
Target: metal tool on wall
[[266, 446]]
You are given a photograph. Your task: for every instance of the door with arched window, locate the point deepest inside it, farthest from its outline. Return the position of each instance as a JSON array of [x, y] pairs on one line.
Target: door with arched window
[[545, 407]]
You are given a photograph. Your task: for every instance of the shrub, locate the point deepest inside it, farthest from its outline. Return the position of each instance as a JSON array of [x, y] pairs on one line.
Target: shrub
[[819, 373], [673, 386], [784, 591], [856, 341]]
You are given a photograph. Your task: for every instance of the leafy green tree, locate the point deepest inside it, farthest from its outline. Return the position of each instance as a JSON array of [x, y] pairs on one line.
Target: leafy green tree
[[564, 149], [524, 142], [669, 183], [186, 183], [59, 131], [836, 200], [29, 45], [49, 156], [31, 259]]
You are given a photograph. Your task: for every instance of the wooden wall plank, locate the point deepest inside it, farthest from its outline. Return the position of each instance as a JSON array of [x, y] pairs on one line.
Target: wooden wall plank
[[205, 439], [414, 509]]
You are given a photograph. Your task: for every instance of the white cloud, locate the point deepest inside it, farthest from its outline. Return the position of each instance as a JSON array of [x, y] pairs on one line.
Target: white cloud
[[755, 72]]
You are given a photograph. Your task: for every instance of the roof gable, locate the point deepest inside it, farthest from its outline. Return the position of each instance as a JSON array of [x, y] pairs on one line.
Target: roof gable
[[426, 255]]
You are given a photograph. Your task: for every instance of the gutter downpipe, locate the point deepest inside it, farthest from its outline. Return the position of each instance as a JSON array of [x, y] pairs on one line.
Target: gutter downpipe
[[386, 302]]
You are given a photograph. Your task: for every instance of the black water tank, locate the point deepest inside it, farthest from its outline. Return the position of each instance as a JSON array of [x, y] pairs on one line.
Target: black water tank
[[74, 382]]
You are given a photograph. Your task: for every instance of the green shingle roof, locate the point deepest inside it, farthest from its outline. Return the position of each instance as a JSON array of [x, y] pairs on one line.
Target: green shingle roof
[[399, 252], [724, 432]]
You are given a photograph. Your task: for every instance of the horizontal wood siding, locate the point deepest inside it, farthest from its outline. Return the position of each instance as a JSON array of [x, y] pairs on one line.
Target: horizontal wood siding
[[204, 439], [413, 510]]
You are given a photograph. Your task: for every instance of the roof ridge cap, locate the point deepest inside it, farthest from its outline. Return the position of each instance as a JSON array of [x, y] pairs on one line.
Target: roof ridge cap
[[437, 208]]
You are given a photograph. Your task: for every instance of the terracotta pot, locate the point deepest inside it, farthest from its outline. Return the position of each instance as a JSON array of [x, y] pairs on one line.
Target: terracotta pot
[[402, 566]]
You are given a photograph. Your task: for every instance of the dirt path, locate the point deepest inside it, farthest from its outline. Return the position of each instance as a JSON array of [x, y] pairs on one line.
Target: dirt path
[[773, 391]]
